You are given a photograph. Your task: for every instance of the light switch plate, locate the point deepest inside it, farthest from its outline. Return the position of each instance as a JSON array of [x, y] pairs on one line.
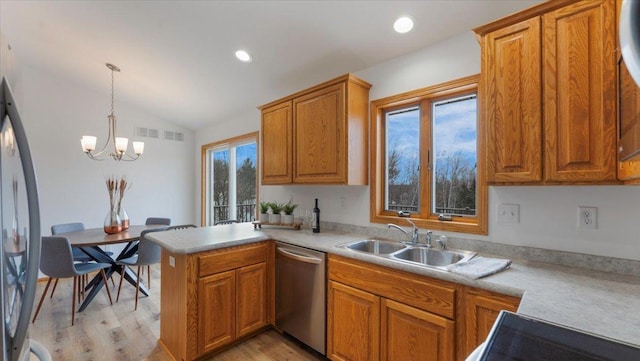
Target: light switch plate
[[508, 213]]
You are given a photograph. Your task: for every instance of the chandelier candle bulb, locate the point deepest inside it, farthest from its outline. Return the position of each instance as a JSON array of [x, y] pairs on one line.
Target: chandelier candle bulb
[[138, 147], [88, 143], [121, 144]]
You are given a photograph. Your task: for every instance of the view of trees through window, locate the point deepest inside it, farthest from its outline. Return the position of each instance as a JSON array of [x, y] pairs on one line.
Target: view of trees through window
[[232, 194], [453, 151]]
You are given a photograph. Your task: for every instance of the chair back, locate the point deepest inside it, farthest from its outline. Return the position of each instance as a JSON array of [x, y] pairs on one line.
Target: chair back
[[157, 220], [182, 226], [148, 251], [57, 260], [226, 221], [66, 227]]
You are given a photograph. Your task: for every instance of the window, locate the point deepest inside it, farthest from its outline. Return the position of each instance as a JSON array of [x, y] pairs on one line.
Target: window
[[426, 158], [229, 174]]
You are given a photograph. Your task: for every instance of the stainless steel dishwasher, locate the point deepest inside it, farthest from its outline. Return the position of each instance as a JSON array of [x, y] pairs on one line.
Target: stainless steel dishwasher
[[301, 294]]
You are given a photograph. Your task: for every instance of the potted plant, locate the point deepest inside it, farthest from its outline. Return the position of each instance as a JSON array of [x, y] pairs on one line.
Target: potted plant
[[276, 209], [288, 209], [264, 212]]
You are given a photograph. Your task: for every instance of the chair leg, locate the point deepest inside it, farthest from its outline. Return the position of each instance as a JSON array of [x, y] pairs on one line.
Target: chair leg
[[137, 288], [46, 288], [55, 284], [149, 276], [106, 286], [73, 303], [124, 269]]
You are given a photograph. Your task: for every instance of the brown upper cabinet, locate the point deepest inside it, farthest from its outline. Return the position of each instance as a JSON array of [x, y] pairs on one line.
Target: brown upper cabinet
[[317, 136], [548, 79]]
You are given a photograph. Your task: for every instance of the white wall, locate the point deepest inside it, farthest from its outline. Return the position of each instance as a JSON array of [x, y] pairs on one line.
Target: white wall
[[548, 214], [56, 113]]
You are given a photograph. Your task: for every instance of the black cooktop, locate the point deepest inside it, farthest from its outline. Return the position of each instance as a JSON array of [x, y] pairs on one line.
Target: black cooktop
[[517, 337]]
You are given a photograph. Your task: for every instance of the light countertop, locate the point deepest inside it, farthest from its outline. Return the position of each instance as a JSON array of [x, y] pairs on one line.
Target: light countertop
[[605, 304]]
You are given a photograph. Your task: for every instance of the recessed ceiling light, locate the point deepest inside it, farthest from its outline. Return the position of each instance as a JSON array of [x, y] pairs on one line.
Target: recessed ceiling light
[[403, 25], [243, 56]]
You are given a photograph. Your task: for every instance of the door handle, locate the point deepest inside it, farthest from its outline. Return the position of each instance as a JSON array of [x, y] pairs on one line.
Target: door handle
[[299, 257]]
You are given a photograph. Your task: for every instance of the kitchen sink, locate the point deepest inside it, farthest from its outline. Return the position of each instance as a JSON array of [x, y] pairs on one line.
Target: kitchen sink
[[375, 246], [414, 254], [432, 257]]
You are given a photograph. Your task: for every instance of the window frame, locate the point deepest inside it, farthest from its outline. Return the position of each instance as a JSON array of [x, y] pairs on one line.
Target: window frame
[[425, 97], [204, 175]]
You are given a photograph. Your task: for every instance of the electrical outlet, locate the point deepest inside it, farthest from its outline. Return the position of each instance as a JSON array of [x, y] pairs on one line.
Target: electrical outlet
[[509, 213], [587, 217]]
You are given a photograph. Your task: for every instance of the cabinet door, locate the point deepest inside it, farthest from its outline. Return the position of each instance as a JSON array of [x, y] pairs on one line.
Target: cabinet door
[[277, 144], [251, 296], [216, 311], [353, 324], [579, 92], [481, 311], [408, 333], [319, 134], [511, 66]]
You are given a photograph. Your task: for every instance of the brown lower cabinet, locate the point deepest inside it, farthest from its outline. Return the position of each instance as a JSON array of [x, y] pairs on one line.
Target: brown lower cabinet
[[212, 299], [377, 313], [481, 309]]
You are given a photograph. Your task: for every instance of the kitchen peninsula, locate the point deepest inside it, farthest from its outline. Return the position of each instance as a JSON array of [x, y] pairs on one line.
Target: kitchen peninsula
[[226, 273]]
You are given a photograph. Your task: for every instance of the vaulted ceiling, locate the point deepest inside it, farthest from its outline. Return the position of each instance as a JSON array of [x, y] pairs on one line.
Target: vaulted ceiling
[[177, 57]]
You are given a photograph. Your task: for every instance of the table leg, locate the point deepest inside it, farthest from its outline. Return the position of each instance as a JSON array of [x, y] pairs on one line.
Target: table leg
[[99, 255]]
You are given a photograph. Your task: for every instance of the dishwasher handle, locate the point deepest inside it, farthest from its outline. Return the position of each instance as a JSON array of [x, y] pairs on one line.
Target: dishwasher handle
[[299, 257]]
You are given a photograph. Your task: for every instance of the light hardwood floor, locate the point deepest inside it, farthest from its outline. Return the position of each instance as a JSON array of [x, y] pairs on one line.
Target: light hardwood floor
[[105, 332]]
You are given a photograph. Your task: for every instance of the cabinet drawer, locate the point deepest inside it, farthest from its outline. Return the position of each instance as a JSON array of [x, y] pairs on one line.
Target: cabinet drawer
[[418, 291], [231, 258]]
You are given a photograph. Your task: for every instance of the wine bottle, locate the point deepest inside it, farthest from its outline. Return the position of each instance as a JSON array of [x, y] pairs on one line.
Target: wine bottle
[[315, 224]]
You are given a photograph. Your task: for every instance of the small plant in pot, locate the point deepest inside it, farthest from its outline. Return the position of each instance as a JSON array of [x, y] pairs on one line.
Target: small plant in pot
[[264, 212], [288, 209], [276, 209]]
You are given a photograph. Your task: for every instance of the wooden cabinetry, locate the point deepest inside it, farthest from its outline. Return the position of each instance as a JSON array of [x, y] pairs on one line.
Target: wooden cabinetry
[[212, 299], [572, 69], [277, 144], [353, 331], [319, 135], [481, 311], [375, 313], [511, 74]]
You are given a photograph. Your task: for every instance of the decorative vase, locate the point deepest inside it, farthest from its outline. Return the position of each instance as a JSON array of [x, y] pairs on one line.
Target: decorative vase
[[124, 217], [112, 223], [287, 219], [264, 217], [274, 218]]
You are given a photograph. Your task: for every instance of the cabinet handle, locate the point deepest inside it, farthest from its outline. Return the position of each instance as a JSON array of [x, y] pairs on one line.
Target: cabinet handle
[[299, 257]]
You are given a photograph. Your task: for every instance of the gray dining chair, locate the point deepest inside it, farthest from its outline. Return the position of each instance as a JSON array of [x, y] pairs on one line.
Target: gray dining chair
[[225, 221], [158, 220], [182, 226], [148, 254], [57, 262], [78, 255]]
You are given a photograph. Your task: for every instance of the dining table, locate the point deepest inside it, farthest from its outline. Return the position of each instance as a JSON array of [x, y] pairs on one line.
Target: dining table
[[90, 242]]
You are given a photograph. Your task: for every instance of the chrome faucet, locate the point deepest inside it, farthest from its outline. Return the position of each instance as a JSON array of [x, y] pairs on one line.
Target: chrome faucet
[[442, 242], [412, 238], [427, 239]]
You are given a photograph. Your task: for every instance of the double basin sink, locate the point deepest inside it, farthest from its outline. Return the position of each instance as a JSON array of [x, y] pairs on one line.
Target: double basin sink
[[414, 254]]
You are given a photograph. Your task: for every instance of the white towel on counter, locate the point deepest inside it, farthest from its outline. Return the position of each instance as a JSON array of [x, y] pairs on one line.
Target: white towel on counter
[[479, 267]]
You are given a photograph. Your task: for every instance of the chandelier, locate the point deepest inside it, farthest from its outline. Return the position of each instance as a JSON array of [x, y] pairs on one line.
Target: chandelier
[[119, 151]]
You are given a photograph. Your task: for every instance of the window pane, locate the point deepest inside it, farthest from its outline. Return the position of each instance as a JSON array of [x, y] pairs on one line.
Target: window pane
[[220, 185], [455, 150], [246, 182], [402, 160]]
